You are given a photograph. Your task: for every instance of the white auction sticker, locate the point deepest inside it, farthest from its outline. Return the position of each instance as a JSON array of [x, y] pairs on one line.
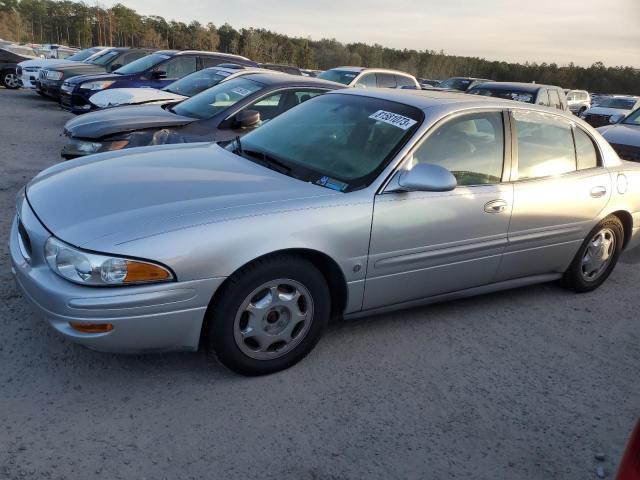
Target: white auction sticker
[[394, 119], [241, 91]]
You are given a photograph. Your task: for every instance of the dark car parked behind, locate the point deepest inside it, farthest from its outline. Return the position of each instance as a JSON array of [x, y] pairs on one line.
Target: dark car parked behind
[[282, 68], [50, 79], [156, 71], [10, 57], [221, 114], [547, 95]]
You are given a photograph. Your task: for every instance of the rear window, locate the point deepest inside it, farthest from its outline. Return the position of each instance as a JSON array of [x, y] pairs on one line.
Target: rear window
[[197, 82]]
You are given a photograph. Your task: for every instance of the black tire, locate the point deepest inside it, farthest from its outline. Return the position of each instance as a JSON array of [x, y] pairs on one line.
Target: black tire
[[220, 324], [9, 80], [574, 278]]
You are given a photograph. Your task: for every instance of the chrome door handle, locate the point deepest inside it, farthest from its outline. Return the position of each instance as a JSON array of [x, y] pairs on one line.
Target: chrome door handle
[[597, 192], [495, 206]]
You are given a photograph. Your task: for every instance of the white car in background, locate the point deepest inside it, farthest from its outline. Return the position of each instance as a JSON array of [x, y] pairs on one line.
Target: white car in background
[[362, 77], [27, 71], [177, 91]]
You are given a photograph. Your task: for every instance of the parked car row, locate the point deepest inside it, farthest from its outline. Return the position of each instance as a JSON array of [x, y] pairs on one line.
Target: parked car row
[[243, 207]]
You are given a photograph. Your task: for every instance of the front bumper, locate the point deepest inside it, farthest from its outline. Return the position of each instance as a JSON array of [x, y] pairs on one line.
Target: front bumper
[[151, 318], [51, 88], [28, 79], [74, 102]]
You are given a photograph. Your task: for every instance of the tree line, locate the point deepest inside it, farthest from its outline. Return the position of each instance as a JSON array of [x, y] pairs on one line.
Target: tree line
[[79, 24]]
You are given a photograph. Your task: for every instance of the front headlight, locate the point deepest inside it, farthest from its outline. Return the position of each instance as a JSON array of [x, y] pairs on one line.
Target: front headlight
[[85, 146], [54, 75], [97, 85], [94, 269]]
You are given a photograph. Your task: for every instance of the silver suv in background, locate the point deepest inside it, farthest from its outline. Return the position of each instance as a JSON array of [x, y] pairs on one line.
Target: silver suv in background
[[578, 101], [363, 77]]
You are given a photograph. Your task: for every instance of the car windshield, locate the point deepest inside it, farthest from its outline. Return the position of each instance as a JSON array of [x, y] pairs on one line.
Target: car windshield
[[517, 95], [456, 83], [197, 82], [142, 64], [633, 118], [82, 55], [341, 142], [344, 77], [217, 99], [619, 103], [105, 58]]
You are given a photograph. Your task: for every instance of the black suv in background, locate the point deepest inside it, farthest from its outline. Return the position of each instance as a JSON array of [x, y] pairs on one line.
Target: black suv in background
[[10, 57], [50, 79]]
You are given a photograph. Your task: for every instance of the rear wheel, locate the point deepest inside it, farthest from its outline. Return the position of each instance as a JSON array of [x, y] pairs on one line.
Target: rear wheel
[[10, 79], [597, 256], [268, 315]]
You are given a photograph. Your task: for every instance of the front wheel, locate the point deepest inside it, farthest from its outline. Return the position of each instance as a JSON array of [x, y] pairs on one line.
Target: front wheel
[[597, 256], [269, 315], [10, 80]]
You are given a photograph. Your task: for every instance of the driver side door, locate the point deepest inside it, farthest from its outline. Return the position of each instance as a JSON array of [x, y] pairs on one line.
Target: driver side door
[[429, 243]]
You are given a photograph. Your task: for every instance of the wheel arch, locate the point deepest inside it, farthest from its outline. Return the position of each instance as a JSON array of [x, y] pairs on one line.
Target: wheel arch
[[627, 224], [329, 268]]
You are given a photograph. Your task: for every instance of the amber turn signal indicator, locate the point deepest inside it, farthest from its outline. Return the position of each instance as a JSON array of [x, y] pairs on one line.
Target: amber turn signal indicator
[[91, 327], [145, 272]]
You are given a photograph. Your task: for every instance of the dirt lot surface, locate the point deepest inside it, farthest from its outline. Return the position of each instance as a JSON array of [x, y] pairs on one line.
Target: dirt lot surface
[[525, 384]]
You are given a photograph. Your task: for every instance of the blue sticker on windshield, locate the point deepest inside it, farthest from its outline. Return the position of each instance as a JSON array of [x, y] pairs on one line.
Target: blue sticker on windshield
[[332, 183]]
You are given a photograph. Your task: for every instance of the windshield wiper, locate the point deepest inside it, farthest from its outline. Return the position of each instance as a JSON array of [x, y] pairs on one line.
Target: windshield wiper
[[270, 161]]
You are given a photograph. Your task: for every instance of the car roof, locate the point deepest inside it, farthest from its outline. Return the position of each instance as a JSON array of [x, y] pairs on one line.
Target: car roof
[[371, 69], [426, 99], [285, 79], [202, 52], [525, 87]]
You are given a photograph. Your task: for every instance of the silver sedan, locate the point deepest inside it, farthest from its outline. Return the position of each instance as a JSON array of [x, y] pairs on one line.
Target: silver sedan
[[354, 202]]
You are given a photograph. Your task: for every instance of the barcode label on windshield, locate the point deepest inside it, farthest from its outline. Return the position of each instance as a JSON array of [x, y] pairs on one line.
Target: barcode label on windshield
[[394, 119], [241, 91]]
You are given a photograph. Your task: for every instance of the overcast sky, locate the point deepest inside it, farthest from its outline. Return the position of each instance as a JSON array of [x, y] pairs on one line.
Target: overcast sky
[[561, 31]]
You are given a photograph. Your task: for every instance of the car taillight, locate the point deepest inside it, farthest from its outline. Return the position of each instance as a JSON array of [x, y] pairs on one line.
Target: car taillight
[[630, 464]]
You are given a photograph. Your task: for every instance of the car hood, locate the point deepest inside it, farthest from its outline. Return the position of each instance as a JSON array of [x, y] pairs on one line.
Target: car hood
[[123, 119], [72, 70], [131, 96], [107, 199], [605, 111], [621, 134], [43, 62]]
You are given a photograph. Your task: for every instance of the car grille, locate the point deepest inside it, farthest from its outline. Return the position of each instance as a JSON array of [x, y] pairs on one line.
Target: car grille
[[42, 74], [597, 120], [627, 152]]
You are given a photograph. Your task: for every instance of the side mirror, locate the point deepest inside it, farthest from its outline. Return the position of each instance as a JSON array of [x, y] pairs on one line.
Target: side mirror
[[247, 119], [158, 74], [427, 177], [616, 118]]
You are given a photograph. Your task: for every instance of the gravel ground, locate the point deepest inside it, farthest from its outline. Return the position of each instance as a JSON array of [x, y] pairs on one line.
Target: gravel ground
[[525, 384]]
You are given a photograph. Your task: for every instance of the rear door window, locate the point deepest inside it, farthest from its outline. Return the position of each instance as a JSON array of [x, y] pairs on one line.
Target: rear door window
[[403, 81], [554, 99], [179, 66], [543, 97], [368, 80], [545, 145], [386, 80], [586, 153]]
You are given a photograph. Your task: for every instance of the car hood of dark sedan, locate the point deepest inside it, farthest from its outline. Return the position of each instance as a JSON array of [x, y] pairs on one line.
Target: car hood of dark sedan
[[110, 121], [622, 134], [104, 200], [72, 70]]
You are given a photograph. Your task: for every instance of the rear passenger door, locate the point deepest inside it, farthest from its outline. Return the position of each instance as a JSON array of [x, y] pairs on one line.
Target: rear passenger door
[[560, 188], [428, 243]]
